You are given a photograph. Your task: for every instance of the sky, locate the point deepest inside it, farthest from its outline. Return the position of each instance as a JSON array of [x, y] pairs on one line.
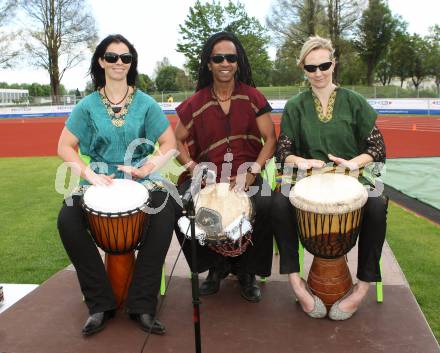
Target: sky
[[153, 27]]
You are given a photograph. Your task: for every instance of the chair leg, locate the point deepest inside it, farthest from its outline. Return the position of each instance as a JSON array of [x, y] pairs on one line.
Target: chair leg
[[301, 259], [162, 282], [379, 286], [275, 247]]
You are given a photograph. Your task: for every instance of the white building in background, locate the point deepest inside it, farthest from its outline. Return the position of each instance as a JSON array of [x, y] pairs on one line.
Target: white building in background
[[10, 96]]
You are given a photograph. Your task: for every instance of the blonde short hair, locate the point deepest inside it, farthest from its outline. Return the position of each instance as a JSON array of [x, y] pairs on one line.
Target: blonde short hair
[[314, 43]]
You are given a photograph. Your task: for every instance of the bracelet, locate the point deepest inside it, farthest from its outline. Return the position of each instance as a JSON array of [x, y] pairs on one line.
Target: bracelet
[[249, 170], [188, 164]]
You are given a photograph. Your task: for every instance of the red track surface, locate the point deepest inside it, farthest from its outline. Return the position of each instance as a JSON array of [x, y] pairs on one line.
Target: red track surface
[[404, 136]]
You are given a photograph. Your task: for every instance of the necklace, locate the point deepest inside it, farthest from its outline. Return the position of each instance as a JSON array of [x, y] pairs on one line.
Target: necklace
[[220, 99], [117, 120], [325, 118], [116, 107]]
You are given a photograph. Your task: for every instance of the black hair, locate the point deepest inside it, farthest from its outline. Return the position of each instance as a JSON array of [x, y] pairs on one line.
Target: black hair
[[97, 72], [243, 73]]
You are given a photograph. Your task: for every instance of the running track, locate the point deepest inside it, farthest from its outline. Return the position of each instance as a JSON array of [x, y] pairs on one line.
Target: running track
[[404, 136]]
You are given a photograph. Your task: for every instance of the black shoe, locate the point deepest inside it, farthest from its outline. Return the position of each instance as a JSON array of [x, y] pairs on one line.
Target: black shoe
[[96, 322], [211, 284], [249, 288], [148, 324]]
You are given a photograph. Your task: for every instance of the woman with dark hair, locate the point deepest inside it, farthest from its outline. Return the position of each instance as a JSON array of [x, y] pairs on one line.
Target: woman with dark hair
[[105, 125], [224, 123]]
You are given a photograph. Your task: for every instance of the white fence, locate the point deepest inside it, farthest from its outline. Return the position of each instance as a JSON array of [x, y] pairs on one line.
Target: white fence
[[382, 106]]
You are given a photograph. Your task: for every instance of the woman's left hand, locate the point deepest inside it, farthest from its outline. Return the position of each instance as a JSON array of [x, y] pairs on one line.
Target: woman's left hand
[[136, 173], [344, 163]]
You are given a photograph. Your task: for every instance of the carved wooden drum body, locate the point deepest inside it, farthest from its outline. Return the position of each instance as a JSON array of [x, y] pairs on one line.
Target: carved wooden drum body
[[329, 211], [116, 215]]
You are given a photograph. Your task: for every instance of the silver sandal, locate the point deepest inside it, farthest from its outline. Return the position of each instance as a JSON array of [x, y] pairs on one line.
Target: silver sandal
[[336, 313], [319, 310]]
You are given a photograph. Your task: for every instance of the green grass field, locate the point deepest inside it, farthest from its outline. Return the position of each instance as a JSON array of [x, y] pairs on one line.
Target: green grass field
[[416, 245], [31, 251]]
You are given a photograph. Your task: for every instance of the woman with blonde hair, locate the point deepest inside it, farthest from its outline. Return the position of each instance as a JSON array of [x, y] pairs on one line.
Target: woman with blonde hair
[[328, 124]]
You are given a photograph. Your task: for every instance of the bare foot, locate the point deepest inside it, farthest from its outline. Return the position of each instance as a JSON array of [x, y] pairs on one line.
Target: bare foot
[[352, 302], [299, 288]]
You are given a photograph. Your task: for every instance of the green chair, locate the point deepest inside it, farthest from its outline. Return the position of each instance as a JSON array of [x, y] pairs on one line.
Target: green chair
[[269, 174]]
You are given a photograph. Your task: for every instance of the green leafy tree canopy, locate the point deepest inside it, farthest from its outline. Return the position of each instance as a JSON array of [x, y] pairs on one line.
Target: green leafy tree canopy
[[145, 83], [204, 20], [374, 34]]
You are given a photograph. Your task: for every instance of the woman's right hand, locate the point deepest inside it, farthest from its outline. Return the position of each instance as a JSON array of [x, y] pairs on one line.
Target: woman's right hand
[[310, 163], [304, 164], [97, 179]]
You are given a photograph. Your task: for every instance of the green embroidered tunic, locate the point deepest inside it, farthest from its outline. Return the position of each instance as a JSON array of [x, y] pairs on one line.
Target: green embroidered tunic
[[342, 133]]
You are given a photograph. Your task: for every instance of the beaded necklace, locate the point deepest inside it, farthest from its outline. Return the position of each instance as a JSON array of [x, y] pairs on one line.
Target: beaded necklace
[[117, 120]]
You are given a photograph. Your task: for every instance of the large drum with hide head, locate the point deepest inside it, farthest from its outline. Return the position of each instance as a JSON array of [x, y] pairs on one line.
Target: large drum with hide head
[[116, 215], [329, 211], [224, 219]]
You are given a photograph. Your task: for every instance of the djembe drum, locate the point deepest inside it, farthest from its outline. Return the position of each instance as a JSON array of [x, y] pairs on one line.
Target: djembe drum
[[224, 219], [116, 217], [329, 211]]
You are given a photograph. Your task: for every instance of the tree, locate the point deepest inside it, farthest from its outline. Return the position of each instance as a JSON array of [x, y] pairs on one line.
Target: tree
[[384, 71], [419, 69], [145, 83], [342, 17], [161, 64], [374, 34], [184, 82], [293, 21], [400, 55], [38, 90], [204, 20], [57, 35], [7, 50], [285, 71], [166, 79], [434, 55], [90, 88]]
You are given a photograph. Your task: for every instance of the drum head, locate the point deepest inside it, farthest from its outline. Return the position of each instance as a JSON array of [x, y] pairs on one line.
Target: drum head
[[229, 204], [328, 194], [120, 196]]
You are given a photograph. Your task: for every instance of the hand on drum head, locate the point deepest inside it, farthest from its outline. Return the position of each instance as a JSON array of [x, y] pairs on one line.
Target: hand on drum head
[[305, 164], [241, 182], [137, 173], [343, 162], [97, 179]]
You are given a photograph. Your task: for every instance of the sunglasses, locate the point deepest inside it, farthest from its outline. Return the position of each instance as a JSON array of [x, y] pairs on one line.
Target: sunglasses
[[219, 58], [322, 67], [112, 58]]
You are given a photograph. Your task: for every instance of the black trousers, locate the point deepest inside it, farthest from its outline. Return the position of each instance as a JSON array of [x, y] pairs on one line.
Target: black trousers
[[92, 277], [257, 259], [371, 237]]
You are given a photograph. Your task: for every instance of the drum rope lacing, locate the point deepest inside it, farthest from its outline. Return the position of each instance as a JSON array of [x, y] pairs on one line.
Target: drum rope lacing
[[135, 225]]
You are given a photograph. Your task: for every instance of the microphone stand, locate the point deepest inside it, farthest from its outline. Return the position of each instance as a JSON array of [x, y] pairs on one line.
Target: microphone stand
[[190, 212]]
